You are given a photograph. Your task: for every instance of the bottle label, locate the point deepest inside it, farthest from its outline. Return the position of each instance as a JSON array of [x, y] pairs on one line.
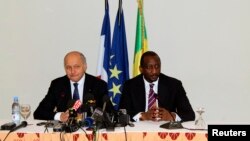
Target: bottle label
[[16, 115], [16, 118]]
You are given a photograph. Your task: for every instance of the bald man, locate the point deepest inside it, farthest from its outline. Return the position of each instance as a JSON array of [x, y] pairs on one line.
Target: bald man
[[61, 90]]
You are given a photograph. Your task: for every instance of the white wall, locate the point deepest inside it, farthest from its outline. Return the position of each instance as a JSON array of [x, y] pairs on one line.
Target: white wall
[[204, 43]]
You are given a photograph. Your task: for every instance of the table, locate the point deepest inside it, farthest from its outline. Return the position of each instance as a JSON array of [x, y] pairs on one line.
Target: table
[[142, 131]]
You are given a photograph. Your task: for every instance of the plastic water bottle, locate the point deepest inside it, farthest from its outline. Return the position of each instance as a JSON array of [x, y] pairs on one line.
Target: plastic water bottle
[[16, 111]]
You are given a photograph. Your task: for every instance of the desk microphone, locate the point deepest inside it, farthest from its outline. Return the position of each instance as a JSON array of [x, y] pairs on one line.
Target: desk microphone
[[105, 100], [77, 105], [171, 124], [71, 125], [22, 124], [89, 100]]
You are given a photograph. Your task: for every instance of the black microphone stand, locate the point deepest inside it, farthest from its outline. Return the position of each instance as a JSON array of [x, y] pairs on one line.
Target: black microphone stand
[[172, 124]]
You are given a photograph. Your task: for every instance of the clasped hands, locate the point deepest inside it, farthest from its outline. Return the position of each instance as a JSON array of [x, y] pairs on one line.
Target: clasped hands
[[158, 114]]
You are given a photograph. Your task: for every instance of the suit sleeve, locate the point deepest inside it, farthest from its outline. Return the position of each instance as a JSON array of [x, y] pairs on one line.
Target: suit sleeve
[[126, 101], [102, 89], [184, 108], [49, 105]]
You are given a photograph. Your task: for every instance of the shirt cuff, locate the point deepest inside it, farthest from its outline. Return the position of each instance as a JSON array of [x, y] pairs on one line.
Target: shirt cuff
[[137, 117], [57, 116], [177, 118]]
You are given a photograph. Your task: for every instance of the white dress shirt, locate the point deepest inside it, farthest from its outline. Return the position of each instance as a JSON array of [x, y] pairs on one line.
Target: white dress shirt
[[147, 88], [80, 90]]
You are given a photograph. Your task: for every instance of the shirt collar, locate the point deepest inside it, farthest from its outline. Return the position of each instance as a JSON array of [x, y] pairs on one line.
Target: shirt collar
[[147, 83], [80, 82]]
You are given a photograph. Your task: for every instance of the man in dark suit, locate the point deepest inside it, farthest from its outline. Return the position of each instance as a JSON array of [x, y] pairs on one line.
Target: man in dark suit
[[168, 100], [54, 106]]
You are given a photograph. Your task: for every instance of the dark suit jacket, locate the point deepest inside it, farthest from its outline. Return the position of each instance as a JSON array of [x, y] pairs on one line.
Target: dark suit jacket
[[171, 96], [59, 95]]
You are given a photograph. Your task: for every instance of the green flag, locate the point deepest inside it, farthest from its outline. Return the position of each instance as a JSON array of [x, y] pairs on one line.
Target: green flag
[[141, 44]]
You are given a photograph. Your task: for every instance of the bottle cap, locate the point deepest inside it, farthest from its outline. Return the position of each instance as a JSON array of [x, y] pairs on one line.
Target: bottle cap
[[15, 98]]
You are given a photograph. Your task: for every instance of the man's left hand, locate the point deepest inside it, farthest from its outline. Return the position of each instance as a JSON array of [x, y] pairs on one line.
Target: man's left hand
[[166, 115]]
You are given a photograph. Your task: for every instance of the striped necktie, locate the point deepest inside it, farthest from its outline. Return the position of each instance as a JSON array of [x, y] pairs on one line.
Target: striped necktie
[[151, 97]]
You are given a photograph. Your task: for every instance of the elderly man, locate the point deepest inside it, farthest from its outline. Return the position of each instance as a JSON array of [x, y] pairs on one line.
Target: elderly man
[[74, 85]]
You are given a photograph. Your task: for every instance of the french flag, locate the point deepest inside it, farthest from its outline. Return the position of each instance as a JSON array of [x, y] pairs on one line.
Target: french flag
[[105, 47]]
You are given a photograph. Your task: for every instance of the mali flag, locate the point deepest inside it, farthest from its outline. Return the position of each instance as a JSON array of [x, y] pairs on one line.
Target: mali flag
[[141, 44], [119, 68]]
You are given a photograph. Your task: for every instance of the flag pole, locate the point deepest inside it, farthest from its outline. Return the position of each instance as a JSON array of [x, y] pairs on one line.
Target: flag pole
[[120, 11], [106, 4]]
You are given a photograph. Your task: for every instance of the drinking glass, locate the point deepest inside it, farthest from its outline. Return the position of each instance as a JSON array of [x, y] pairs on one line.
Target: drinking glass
[[199, 122], [25, 111]]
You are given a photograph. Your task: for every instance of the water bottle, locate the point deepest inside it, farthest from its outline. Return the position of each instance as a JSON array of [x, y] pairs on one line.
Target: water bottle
[[16, 111]]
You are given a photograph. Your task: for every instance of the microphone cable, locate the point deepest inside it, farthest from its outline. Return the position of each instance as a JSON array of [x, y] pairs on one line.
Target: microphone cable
[[194, 129], [22, 124], [61, 136], [6, 136], [84, 132], [125, 132], [95, 129]]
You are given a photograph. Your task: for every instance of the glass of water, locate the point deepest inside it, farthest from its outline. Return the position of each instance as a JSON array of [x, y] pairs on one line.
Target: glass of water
[[25, 111], [199, 122]]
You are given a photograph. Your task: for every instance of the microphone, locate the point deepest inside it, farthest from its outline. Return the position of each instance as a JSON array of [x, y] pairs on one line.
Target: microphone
[[88, 122], [73, 106], [89, 100], [22, 124], [105, 100], [101, 117], [77, 105], [71, 125], [97, 115], [127, 119], [171, 124], [70, 103], [123, 119]]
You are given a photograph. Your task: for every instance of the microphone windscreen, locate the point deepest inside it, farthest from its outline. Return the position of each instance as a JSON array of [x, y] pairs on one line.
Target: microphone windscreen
[[70, 103], [22, 124], [77, 105], [88, 122]]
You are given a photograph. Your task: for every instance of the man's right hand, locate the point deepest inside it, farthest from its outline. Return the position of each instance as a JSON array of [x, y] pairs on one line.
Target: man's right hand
[[64, 116]]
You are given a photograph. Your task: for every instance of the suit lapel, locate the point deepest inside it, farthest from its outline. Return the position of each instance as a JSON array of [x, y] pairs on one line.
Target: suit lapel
[[162, 91], [68, 89], [64, 95], [86, 86], [140, 95]]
